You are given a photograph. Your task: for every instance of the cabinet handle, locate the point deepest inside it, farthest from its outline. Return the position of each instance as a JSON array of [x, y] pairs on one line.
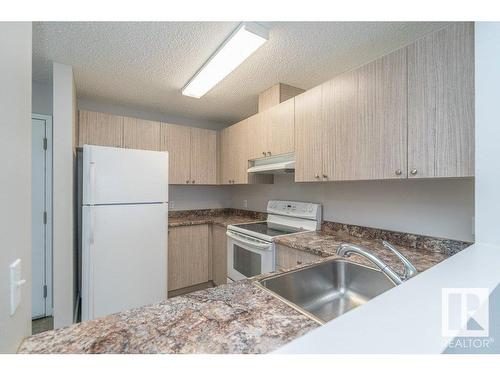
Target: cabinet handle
[[317, 175], [325, 176], [264, 153], [192, 182], [299, 262], [413, 172], [398, 172], [269, 153], [187, 181]]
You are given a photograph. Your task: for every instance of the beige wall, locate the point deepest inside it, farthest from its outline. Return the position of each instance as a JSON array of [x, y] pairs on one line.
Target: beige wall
[[15, 183], [64, 130]]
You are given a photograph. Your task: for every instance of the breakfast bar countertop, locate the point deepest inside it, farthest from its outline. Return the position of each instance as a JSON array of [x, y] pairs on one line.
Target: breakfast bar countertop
[[233, 318]]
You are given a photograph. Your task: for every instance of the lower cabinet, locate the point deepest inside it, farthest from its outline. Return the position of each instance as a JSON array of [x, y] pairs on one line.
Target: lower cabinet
[[188, 256], [219, 255], [286, 257]]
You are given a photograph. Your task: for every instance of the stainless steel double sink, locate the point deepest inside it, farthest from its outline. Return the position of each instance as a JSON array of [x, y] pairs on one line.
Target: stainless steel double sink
[[327, 290]]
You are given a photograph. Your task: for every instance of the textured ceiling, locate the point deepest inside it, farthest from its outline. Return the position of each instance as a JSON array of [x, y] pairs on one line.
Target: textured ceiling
[[144, 65]]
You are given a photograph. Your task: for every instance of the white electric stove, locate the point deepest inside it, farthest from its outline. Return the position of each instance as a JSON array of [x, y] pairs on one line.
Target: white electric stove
[[250, 246]]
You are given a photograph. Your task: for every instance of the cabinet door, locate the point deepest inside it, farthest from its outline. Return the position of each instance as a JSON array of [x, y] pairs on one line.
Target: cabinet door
[[100, 129], [367, 118], [227, 156], [203, 156], [176, 139], [441, 103], [287, 257], [279, 124], [239, 138], [141, 134], [308, 135], [188, 252], [256, 132], [219, 254]]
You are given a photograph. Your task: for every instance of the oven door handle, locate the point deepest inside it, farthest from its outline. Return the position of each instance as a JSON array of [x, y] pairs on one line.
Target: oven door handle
[[242, 238]]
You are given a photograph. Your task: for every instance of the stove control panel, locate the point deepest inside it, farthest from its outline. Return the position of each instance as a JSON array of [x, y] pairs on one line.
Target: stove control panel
[[311, 211]]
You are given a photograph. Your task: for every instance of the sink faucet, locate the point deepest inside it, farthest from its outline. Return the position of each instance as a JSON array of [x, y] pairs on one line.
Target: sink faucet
[[347, 249]]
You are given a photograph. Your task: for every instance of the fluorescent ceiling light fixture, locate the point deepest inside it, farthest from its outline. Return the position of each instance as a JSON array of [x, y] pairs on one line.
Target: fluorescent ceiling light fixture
[[244, 41]]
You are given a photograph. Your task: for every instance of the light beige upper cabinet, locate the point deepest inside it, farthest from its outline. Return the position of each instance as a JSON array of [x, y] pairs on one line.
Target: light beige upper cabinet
[[100, 129], [279, 123], [366, 121], [226, 161], [203, 156], [309, 135], [272, 131], [257, 136], [176, 139], [192, 154], [235, 153], [188, 256], [441, 103], [236, 150], [141, 134]]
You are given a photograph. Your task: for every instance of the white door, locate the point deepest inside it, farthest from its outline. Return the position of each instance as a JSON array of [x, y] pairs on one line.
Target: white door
[[123, 257], [41, 218], [117, 175]]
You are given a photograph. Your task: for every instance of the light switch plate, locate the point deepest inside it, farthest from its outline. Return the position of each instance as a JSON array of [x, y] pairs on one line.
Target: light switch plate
[[15, 285]]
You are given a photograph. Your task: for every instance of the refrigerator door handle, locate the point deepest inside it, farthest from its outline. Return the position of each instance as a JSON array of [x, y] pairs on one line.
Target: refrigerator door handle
[[91, 225], [92, 182]]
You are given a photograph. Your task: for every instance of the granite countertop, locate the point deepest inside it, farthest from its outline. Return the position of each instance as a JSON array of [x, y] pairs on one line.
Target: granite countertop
[[325, 244], [233, 318], [221, 220], [221, 217]]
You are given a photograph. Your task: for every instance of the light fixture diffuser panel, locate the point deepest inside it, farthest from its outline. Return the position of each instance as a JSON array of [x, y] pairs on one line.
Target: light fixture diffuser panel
[[244, 41]]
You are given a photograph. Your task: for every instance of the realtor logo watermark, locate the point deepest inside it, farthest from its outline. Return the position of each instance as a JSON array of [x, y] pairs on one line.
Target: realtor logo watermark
[[465, 315]]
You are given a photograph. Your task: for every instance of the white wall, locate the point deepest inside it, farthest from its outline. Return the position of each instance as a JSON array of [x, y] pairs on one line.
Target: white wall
[[64, 122], [487, 63], [15, 183], [197, 197], [41, 95], [101, 106], [441, 208]]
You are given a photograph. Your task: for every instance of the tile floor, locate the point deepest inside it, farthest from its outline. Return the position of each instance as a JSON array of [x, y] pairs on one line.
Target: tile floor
[[42, 325]]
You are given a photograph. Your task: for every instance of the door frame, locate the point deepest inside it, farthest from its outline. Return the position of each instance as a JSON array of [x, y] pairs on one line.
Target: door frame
[[49, 208]]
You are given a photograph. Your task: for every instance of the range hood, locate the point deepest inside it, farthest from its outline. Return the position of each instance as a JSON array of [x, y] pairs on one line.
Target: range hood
[[281, 164]]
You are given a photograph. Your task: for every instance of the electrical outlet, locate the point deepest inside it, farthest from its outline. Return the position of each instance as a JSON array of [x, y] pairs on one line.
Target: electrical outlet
[[245, 203]]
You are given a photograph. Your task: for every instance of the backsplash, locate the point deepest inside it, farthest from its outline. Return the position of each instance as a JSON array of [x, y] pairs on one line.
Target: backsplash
[[416, 241]]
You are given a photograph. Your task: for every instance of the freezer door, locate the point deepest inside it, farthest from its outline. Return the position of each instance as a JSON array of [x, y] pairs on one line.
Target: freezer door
[[117, 175], [124, 257]]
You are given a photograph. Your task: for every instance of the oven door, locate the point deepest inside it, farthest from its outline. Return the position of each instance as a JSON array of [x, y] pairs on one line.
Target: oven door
[[248, 256]]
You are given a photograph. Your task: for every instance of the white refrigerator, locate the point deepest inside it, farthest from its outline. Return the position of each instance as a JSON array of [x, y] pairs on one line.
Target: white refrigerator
[[124, 226]]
